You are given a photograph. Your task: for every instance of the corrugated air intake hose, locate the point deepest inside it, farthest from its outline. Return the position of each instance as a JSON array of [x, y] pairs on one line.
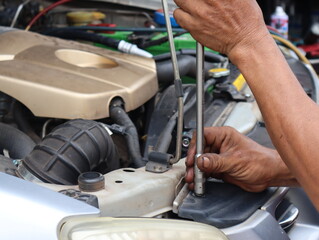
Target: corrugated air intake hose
[[70, 149]]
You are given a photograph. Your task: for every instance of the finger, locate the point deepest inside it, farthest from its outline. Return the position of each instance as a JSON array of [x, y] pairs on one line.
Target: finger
[[189, 176], [191, 186], [184, 19], [220, 139], [212, 163], [211, 143], [191, 152], [190, 159], [186, 5], [214, 137]]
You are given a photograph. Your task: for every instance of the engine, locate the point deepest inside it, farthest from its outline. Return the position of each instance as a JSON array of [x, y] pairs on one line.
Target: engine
[[99, 125]]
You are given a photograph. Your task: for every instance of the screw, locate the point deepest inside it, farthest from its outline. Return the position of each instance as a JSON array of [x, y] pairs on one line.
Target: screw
[[186, 142]]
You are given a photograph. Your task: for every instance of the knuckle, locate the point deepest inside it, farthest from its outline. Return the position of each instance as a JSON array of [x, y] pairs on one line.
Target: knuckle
[[216, 164], [212, 162], [229, 129], [177, 12]]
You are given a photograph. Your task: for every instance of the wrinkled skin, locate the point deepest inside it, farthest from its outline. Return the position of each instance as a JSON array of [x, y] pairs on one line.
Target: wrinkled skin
[[234, 158], [220, 25]]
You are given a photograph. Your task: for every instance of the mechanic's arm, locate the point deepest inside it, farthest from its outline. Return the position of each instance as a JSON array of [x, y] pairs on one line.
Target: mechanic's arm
[[236, 28]]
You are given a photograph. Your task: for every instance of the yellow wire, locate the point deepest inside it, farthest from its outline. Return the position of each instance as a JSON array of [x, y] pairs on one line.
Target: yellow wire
[[292, 47]]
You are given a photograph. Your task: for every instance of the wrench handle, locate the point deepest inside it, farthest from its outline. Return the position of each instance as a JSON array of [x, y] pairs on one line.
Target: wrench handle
[[199, 179]]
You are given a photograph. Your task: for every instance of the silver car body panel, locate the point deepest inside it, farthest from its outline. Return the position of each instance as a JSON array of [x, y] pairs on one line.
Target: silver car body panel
[[30, 211], [260, 226]]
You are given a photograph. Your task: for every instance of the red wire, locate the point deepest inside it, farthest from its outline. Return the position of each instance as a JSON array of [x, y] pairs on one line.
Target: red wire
[[44, 11], [273, 29]]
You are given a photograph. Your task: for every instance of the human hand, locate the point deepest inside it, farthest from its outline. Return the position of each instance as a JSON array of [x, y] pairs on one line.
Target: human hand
[[222, 25], [234, 158]]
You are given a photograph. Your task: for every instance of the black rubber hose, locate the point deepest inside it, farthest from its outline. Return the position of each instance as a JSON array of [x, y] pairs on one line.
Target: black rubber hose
[[22, 122], [187, 67], [158, 41], [72, 148], [120, 117], [209, 56], [81, 35], [16, 142]]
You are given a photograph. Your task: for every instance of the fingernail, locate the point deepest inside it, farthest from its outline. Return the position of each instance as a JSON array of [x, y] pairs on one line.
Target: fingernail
[[205, 162]]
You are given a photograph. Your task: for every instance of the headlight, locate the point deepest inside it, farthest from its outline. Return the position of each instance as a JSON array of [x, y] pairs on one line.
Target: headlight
[[137, 229]]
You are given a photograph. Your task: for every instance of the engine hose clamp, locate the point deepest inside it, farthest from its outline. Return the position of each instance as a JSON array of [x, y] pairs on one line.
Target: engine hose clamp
[[25, 174]]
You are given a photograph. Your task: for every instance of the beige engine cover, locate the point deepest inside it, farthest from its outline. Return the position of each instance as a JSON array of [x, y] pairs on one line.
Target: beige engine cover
[[65, 79]]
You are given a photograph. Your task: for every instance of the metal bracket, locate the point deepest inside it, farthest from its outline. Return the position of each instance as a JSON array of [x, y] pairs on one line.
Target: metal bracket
[[158, 162]]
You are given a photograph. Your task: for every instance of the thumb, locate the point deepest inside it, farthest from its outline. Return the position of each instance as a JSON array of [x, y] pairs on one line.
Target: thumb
[[212, 163]]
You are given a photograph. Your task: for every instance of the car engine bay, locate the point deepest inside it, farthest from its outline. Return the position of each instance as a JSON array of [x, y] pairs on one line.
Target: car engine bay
[[88, 114]]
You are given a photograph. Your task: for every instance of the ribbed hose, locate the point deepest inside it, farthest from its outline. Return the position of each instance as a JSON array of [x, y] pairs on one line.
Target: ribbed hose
[[16, 142], [119, 116], [72, 148]]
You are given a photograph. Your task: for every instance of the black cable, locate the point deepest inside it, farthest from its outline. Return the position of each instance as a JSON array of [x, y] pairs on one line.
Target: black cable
[[81, 35], [120, 117], [121, 29], [158, 41]]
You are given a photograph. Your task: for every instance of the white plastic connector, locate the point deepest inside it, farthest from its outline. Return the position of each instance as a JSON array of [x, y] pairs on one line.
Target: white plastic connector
[[133, 49]]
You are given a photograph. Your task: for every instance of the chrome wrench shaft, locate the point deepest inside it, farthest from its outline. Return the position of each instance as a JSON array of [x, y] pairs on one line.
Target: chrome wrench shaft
[[199, 179]]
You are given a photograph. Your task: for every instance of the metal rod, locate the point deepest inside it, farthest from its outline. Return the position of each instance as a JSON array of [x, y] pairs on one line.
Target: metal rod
[[17, 14], [179, 137], [199, 179], [178, 84], [171, 39]]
